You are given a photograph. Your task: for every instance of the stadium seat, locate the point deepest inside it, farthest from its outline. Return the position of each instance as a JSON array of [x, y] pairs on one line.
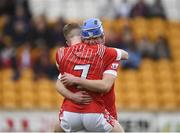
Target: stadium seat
[[9, 95], [140, 27], [173, 33], [150, 100], [7, 74], [158, 27], [27, 94], [146, 75], [107, 24], [174, 43], [121, 100], [177, 76], [163, 64], [130, 86], [168, 100], [56, 100], [45, 101], [147, 65], [166, 85], [175, 67], [53, 54], [0, 95], [164, 76], [119, 24], [121, 94], [27, 74], [11, 102], [129, 75], [178, 97], [148, 85], [176, 54], [44, 94], [134, 101], [27, 100]]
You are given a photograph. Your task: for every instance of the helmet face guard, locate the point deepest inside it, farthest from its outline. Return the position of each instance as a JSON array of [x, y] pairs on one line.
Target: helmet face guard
[[92, 33]]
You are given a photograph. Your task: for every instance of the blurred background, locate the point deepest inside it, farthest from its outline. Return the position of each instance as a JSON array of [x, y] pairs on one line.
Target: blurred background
[[148, 85]]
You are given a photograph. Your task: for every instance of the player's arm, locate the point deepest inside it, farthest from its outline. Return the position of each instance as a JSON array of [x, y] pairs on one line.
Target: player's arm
[[124, 54], [63, 90], [102, 86], [81, 97], [119, 54]]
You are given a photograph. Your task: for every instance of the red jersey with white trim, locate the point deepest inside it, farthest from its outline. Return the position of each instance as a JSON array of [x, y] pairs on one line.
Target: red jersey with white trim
[[88, 62], [109, 98]]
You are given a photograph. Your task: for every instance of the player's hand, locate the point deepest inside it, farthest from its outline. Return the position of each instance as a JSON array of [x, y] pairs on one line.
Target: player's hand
[[68, 79], [81, 97]]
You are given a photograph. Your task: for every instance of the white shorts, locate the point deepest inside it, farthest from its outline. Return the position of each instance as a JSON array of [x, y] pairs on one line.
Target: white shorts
[[91, 122]]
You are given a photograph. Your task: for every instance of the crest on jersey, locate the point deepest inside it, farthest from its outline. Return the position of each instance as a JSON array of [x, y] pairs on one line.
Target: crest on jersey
[[114, 65]]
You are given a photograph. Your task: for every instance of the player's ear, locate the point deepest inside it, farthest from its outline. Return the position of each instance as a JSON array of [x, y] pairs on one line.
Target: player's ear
[[67, 42]]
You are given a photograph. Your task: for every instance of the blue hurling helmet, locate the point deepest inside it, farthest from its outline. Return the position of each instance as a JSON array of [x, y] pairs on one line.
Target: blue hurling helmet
[[92, 28]]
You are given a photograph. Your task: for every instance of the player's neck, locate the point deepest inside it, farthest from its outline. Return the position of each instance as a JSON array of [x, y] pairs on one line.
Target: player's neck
[[75, 41]]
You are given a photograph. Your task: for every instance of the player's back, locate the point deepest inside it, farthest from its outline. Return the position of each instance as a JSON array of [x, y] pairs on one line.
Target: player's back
[[87, 62], [83, 60]]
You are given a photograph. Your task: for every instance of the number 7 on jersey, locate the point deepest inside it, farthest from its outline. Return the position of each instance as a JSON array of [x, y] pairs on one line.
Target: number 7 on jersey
[[84, 68]]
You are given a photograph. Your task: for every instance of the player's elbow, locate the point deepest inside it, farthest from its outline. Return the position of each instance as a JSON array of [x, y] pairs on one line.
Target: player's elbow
[[105, 88], [57, 86], [108, 81]]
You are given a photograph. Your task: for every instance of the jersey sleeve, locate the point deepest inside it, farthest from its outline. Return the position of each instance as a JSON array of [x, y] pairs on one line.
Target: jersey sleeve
[[113, 54], [112, 59], [112, 68]]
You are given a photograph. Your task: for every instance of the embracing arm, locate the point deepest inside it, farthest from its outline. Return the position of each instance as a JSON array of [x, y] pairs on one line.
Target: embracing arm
[[124, 54], [81, 97], [102, 86], [63, 90], [120, 54]]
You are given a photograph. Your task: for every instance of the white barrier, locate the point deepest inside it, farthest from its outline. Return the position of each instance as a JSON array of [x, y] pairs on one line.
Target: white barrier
[[152, 122], [132, 121], [28, 121]]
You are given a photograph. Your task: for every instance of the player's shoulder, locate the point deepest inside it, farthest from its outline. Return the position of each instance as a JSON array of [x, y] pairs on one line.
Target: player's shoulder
[[104, 51], [113, 52], [101, 49], [59, 53], [60, 50], [110, 51]]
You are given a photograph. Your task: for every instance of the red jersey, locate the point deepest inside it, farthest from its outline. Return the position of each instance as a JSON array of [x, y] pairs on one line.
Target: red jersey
[[110, 103], [109, 98], [88, 62]]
